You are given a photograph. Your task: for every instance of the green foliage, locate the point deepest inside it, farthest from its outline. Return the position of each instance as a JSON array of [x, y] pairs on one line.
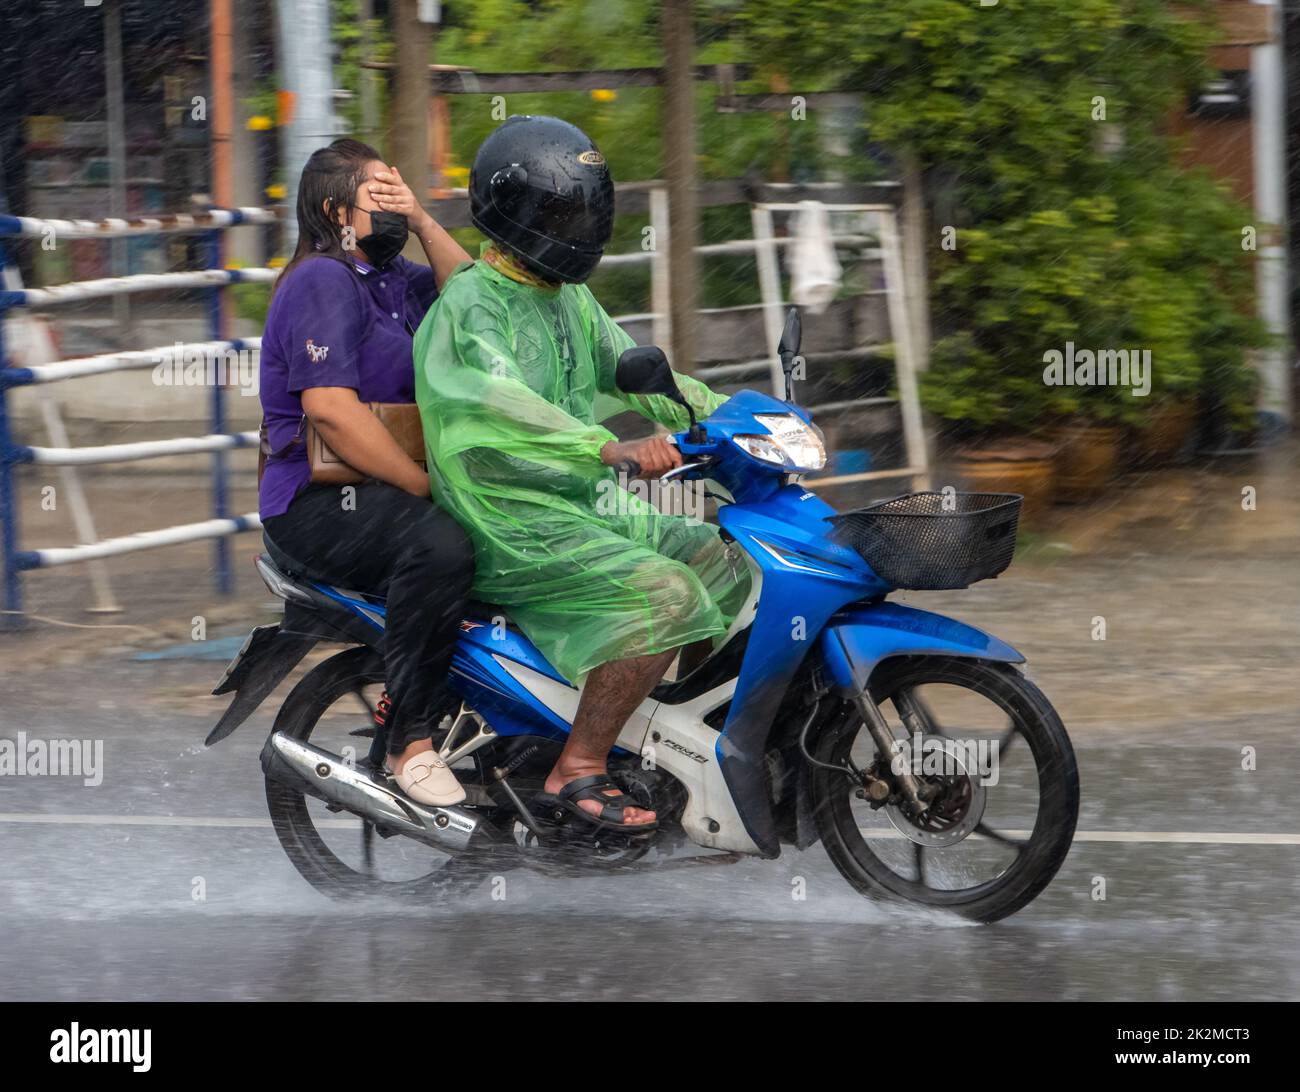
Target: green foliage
[[511, 36], [1003, 94], [1062, 235], [250, 300], [1175, 286], [627, 123]]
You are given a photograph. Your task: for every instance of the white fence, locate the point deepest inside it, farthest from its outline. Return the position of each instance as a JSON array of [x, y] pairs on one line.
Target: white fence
[[217, 442]]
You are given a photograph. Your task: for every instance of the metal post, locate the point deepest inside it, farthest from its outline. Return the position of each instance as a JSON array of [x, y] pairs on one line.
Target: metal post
[[220, 480], [221, 125], [223, 189], [304, 50], [660, 293], [116, 148], [909, 398], [916, 288], [13, 596], [410, 111], [769, 283], [1268, 140]]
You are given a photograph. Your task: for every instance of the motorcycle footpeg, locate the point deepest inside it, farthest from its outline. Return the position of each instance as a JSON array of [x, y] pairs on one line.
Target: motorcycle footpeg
[[564, 829]]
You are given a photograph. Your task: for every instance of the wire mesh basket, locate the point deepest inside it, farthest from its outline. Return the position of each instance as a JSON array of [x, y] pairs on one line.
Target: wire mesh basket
[[932, 541]]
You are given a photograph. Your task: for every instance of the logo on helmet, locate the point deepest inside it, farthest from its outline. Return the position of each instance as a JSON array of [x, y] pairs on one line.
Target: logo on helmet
[[592, 158]]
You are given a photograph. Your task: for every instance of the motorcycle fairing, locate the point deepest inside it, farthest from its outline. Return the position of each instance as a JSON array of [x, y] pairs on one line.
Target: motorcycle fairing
[[815, 593], [681, 743], [478, 668], [805, 581], [485, 671]]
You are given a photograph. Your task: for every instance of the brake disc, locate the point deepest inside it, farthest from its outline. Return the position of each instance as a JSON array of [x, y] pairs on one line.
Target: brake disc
[[959, 805]]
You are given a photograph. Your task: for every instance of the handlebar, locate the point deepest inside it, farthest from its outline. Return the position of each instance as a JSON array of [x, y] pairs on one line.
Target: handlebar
[[685, 468], [631, 468]]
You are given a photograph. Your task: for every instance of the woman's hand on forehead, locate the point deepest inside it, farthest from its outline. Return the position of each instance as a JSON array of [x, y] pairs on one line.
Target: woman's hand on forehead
[[392, 194]]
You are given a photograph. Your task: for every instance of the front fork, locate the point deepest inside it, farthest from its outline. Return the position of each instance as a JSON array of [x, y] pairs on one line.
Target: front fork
[[916, 795]]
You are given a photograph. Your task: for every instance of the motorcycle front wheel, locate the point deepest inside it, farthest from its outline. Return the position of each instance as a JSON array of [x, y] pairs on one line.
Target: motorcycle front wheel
[[997, 762]]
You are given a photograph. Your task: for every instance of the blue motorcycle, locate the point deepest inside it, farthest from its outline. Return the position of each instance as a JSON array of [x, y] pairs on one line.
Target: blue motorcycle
[[909, 744]]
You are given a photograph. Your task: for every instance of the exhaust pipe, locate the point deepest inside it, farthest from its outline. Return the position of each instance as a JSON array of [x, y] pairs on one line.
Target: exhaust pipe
[[318, 773]]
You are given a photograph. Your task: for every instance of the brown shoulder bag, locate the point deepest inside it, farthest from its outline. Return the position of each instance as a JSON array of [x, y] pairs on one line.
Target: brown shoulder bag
[[402, 419]]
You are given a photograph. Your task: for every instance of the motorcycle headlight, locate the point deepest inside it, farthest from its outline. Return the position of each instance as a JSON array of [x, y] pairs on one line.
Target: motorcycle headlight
[[791, 442], [761, 447]]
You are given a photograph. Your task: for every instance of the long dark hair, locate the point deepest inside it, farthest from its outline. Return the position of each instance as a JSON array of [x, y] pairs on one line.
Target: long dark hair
[[329, 183]]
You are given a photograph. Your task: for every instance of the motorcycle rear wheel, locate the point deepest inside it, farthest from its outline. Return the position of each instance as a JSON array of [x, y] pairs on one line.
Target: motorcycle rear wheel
[[306, 829], [863, 854]]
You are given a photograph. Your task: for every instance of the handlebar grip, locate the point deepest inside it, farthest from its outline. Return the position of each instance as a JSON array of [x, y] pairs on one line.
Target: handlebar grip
[[628, 467]]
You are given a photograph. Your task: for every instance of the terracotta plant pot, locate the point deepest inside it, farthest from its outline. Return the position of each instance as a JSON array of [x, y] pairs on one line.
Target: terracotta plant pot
[[1167, 427], [1086, 458], [1010, 466]]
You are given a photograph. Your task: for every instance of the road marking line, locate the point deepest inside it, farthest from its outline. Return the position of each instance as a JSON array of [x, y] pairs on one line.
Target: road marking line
[[55, 819], [1208, 838], [1178, 837]]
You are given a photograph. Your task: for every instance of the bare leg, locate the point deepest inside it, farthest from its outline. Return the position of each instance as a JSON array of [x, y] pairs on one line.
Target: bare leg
[[612, 693]]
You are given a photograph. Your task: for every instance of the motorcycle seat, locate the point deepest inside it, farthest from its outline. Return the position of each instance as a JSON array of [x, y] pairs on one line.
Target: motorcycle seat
[[289, 566], [294, 569]]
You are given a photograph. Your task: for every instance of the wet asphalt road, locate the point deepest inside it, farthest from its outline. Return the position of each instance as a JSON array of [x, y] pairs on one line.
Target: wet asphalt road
[[97, 908]]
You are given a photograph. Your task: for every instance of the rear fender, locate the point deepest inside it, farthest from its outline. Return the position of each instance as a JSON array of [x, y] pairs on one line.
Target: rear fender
[[261, 665]]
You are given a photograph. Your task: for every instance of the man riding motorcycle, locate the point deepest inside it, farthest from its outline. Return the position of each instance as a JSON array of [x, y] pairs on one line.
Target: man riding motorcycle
[[515, 366]]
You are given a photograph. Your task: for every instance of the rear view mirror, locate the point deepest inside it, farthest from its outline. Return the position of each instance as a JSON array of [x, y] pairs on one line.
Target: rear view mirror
[[791, 336], [788, 348], [643, 369]]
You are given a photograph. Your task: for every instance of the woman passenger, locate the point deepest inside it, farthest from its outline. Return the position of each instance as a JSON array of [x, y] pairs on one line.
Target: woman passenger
[[338, 335]]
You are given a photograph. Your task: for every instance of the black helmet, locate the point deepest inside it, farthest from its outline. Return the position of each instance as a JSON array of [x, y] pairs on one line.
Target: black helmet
[[541, 189]]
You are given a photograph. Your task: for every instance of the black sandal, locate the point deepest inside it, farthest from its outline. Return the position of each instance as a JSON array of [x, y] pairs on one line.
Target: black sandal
[[594, 787]]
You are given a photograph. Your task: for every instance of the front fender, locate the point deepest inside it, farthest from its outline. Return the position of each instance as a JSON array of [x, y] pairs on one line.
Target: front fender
[[858, 638]]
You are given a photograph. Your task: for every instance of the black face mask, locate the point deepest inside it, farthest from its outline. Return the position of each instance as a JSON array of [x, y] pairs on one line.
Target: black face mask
[[386, 239]]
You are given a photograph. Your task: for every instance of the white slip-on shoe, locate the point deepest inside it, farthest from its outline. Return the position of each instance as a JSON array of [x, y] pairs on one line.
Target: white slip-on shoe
[[427, 779]]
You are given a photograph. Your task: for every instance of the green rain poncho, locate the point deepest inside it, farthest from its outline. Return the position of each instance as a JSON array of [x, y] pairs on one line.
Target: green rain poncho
[[511, 381]]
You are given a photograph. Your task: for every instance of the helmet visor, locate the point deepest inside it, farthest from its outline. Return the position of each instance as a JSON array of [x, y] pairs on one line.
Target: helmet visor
[[580, 220]]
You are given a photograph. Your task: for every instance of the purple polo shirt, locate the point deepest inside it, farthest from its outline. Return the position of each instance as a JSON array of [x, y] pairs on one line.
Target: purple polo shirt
[[334, 325]]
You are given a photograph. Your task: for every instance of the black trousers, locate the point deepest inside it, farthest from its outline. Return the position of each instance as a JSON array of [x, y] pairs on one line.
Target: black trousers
[[384, 541]]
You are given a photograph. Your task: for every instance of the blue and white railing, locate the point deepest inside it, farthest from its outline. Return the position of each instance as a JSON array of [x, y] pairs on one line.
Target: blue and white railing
[[217, 442]]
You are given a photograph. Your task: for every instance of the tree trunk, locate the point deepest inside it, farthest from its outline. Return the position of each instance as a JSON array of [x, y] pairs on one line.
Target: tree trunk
[[677, 19]]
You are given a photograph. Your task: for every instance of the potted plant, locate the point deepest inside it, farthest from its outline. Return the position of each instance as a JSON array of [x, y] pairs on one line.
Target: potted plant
[[1087, 455], [1163, 436], [989, 413]]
